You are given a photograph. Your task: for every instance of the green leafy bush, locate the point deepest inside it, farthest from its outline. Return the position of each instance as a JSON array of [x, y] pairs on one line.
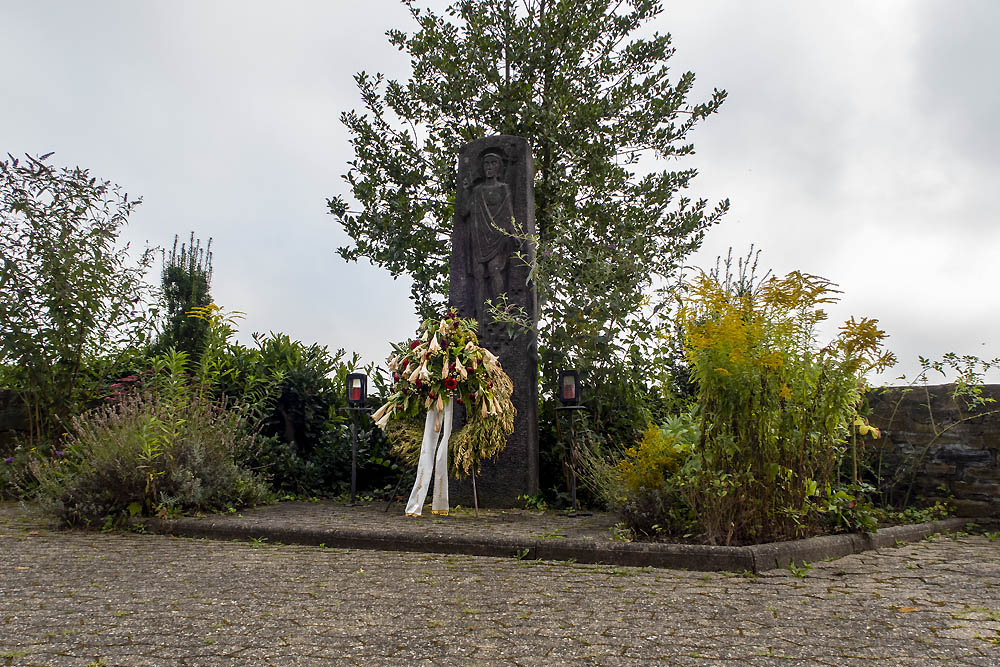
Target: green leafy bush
[[651, 502], [309, 393], [163, 446], [847, 509], [296, 392], [293, 395]]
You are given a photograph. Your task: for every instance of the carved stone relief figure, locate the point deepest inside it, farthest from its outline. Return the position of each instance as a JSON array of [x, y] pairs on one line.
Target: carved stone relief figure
[[489, 216]]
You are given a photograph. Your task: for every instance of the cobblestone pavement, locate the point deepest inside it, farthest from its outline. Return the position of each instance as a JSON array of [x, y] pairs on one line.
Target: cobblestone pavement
[[83, 598]]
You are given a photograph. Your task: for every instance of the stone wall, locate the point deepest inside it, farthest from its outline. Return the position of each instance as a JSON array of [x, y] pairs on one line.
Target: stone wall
[[957, 460]]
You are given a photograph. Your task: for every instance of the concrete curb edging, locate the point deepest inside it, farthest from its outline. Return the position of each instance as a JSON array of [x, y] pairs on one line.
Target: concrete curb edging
[[754, 558], [782, 554]]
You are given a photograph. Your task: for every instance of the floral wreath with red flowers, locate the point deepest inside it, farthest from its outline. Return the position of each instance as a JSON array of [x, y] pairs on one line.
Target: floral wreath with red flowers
[[446, 362]]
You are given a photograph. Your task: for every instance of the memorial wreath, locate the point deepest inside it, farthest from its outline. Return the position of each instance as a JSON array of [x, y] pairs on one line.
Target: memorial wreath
[[444, 363]]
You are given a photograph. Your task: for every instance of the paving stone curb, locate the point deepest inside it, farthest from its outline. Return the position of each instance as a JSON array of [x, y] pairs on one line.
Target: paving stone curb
[[755, 558]]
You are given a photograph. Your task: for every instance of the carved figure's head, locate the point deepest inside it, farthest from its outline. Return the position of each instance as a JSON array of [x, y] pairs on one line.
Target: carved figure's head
[[492, 163]]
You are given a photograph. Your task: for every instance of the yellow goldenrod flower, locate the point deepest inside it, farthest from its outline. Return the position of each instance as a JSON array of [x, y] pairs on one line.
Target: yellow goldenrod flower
[[772, 360]]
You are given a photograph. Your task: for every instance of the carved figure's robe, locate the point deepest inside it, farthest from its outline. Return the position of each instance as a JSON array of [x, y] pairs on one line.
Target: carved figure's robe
[[492, 211]]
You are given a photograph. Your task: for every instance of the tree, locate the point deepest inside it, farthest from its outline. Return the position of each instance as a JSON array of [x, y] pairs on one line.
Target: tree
[[68, 294], [598, 106], [186, 279]]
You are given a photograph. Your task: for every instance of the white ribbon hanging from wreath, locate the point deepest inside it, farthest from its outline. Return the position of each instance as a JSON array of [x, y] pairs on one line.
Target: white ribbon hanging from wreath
[[433, 460]]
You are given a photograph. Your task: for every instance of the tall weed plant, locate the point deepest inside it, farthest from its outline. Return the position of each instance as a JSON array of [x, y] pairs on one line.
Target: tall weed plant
[[774, 410], [71, 297]]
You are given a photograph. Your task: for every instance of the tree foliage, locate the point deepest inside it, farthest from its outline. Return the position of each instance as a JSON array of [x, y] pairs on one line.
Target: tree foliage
[[598, 105], [186, 279], [68, 294]]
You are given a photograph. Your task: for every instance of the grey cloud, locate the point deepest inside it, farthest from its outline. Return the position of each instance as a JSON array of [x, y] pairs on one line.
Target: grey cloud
[[956, 77]]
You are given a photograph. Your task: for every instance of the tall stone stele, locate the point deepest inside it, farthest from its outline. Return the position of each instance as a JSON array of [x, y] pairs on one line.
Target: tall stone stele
[[491, 257]]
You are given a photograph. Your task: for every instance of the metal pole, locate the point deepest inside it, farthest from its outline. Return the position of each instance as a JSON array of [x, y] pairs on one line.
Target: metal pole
[[572, 461], [354, 456], [392, 497], [475, 496]]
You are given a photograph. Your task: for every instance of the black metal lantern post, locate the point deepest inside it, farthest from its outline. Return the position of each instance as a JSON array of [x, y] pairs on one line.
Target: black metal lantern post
[[569, 396], [357, 396]]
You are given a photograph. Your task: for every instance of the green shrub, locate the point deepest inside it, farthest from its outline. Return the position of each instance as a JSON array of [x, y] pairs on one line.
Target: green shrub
[[160, 447], [293, 395], [847, 509], [651, 503], [306, 446], [326, 469], [659, 455], [310, 393]]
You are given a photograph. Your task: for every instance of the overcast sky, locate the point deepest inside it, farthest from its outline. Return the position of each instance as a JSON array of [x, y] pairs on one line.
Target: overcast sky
[[859, 142]]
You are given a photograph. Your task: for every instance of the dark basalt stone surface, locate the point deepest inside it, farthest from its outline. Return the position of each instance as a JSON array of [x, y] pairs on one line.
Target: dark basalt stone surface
[[491, 256]]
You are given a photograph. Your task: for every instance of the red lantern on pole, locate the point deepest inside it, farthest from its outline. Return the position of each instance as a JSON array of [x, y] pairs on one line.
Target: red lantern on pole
[[357, 389], [569, 387]]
